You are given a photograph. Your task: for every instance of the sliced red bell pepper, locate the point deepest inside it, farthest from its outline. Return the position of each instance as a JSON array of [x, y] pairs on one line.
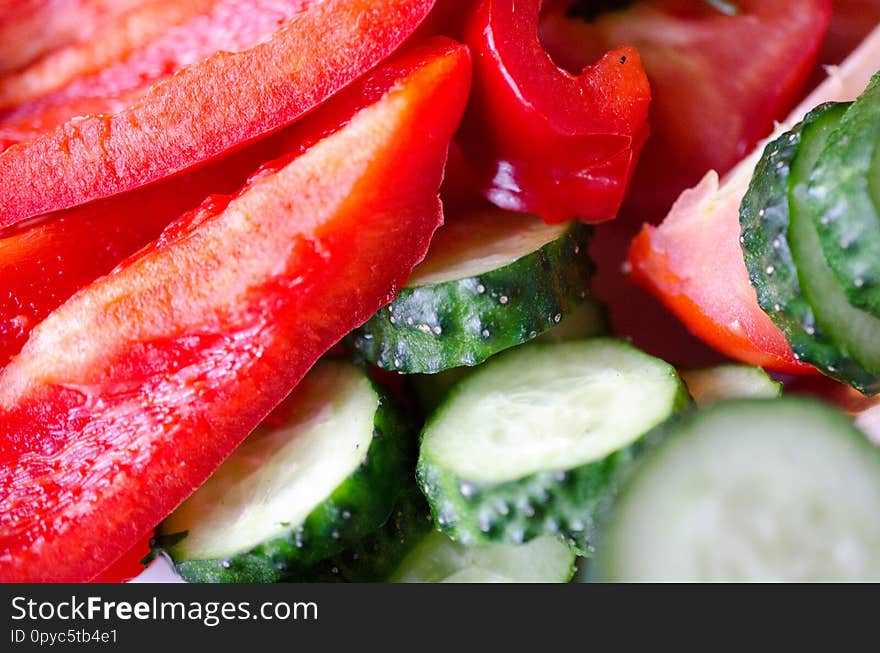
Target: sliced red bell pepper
[[540, 139], [44, 263], [128, 566], [128, 396], [718, 79], [120, 37], [32, 28], [150, 43], [204, 110]]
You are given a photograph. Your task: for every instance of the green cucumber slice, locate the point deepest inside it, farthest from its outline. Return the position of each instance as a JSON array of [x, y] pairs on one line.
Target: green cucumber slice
[[714, 384], [588, 320], [530, 443], [437, 559], [844, 191], [292, 495], [757, 490], [765, 215], [855, 333], [376, 556], [491, 282]]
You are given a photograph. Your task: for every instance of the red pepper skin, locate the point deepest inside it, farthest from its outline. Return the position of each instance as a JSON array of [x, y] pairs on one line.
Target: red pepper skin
[[44, 263], [238, 97], [30, 29], [139, 49], [540, 139], [128, 566], [126, 398]]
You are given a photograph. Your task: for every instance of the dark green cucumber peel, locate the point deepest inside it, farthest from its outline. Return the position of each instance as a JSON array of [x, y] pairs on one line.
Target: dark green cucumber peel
[[589, 320], [563, 502], [377, 555], [844, 192], [354, 510], [764, 219], [428, 329], [853, 331]]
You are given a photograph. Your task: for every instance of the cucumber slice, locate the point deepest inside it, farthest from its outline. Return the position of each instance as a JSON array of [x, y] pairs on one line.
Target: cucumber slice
[[292, 495], [765, 217], [781, 490], [588, 320], [713, 384], [855, 333], [437, 559], [530, 443], [490, 282], [376, 557], [844, 191]]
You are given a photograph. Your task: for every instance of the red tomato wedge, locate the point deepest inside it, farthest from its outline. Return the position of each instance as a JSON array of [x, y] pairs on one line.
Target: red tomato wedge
[[206, 109], [851, 22], [693, 261], [718, 81], [127, 397]]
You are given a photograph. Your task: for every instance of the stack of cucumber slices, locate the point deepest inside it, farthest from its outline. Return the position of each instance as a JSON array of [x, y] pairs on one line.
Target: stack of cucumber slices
[[527, 449], [811, 238]]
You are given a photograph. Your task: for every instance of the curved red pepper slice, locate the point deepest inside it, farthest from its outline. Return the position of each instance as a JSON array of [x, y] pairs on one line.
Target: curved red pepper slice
[[45, 262], [216, 104], [128, 566], [127, 397], [540, 139], [140, 48]]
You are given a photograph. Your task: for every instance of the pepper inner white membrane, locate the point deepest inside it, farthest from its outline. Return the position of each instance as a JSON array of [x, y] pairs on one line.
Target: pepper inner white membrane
[[277, 477], [549, 407], [784, 491], [487, 241]]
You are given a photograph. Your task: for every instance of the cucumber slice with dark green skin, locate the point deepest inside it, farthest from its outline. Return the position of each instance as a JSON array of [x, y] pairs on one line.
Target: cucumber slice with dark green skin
[[714, 384], [764, 217], [588, 320], [437, 559], [844, 192], [378, 555], [757, 490], [491, 282], [855, 333], [530, 443], [293, 495]]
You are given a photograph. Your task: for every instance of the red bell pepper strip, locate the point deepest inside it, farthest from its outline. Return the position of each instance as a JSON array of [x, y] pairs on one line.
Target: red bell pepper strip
[[43, 264], [540, 139], [204, 110], [31, 28], [128, 566], [713, 97], [112, 73], [119, 39], [126, 398]]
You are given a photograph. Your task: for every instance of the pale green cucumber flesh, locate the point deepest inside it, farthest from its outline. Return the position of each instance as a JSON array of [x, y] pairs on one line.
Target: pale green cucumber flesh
[[294, 494], [756, 490], [713, 384], [529, 444]]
